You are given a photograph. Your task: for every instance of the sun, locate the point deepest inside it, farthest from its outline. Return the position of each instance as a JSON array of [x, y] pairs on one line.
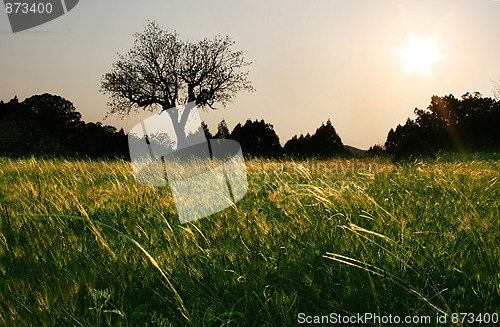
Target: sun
[[420, 55]]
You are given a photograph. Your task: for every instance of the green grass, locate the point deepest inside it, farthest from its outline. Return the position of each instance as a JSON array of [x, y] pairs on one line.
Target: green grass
[[82, 244]]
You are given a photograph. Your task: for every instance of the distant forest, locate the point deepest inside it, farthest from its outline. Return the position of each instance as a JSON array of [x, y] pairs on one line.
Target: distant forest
[[49, 125], [466, 125]]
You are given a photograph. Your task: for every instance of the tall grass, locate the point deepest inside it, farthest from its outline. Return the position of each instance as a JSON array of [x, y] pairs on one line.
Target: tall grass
[[83, 244]]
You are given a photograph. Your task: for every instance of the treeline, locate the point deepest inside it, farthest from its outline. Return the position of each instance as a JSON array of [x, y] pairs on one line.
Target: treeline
[[258, 138], [447, 125], [49, 125]]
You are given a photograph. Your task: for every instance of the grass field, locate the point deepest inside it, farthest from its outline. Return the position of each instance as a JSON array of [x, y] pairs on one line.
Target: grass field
[[82, 244]]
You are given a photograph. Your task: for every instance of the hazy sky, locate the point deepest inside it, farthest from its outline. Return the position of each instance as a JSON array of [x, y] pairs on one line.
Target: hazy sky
[[311, 60]]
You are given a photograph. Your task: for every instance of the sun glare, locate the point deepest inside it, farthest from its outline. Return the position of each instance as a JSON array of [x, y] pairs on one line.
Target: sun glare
[[420, 55]]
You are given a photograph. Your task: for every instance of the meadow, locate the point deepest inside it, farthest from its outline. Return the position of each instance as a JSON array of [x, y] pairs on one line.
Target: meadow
[[83, 244]]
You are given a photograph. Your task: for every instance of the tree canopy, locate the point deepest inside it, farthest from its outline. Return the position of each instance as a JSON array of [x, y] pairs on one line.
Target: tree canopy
[[161, 72], [222, 130], [49, 125], [257, 138], [448, 124], [325, 142]]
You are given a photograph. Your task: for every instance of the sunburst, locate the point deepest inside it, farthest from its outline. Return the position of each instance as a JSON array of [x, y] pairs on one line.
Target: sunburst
[[420, 55]]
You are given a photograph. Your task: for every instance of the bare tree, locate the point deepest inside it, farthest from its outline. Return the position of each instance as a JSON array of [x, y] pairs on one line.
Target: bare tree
[[161, 72], [496, 88]]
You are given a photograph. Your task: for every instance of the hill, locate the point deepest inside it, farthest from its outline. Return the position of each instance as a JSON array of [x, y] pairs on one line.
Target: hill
[[358, 153]]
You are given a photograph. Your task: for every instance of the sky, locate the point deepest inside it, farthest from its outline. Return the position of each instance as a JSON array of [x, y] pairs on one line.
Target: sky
[[366, 65]]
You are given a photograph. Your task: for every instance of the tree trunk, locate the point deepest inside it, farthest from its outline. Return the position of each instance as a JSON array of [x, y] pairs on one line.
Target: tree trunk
[[180, 124], [180, 133]]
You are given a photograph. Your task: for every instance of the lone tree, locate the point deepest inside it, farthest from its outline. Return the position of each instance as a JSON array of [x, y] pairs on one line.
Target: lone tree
[[161, 72]]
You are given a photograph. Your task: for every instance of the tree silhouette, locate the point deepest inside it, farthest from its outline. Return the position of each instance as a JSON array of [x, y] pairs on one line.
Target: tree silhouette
[[206, 131], [53, 110], [325, 142], [161, 72], [222, 130], [257, 138], [448, 124], [19, 129], [299, 146], [375, 151], [49, 125]]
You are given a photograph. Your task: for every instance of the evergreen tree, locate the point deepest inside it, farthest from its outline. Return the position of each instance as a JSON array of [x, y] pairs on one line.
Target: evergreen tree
[[222, 130]]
